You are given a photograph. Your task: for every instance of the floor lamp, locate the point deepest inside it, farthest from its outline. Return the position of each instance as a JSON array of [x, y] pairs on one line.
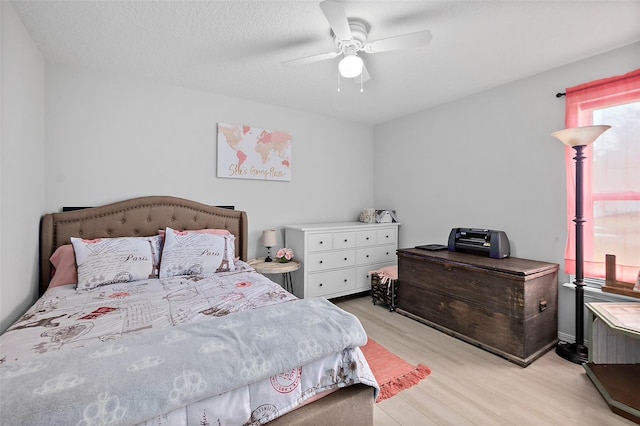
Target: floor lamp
[[578, 138]]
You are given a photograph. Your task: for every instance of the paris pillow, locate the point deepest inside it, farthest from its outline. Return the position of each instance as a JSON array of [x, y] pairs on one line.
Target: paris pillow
[[115, 260], [194, 253]]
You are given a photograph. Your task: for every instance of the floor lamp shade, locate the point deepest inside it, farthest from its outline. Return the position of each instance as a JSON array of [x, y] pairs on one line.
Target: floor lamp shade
[[577, 138]]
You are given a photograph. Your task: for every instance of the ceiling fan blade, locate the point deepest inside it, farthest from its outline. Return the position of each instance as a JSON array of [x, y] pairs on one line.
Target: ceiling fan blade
[[405, 41], [335, 14], [311, 59], [365, 75]]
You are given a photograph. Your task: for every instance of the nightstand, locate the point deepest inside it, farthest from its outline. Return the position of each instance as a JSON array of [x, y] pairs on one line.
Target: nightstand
[[276, 267]]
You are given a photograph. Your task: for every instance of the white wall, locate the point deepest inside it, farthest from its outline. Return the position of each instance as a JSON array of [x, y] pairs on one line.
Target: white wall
[[488, 161], [112, 137], [21, 165]]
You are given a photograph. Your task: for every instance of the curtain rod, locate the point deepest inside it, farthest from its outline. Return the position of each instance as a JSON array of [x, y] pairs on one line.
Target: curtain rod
[[560, 94]]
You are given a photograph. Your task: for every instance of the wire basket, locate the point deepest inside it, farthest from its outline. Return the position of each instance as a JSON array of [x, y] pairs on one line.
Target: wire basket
[[383, 293]]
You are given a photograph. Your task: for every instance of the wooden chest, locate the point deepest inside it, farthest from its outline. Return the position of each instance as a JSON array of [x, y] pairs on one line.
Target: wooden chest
[[506, 306]]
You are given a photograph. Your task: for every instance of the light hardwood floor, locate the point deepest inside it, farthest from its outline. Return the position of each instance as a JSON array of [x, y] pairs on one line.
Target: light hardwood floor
[[469, 386]]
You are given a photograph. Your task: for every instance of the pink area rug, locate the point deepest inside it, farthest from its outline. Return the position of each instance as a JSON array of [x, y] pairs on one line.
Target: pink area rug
[[392, 373]]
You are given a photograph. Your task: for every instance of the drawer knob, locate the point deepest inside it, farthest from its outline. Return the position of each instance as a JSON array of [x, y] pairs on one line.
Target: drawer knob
[[345, 240], [321, 261], [367, 256], [345, 259], [320, 284], [387, 253], [345, 280], [321, 242], [367, 238]]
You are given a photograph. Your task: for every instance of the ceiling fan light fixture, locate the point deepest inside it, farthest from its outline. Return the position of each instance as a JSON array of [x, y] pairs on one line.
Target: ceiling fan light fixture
[[350, 66]]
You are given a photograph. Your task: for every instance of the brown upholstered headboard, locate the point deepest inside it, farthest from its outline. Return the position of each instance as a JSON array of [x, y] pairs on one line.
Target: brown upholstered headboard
[[136, 217]]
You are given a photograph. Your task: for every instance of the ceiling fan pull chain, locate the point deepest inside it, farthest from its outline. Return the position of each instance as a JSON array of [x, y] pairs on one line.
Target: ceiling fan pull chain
[[338, 81], [361, 83]]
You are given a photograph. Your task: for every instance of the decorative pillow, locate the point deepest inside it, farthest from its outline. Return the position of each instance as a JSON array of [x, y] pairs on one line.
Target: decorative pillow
[[211, 231], [196, 253], [231, 242], [64, 266], [114, 260]]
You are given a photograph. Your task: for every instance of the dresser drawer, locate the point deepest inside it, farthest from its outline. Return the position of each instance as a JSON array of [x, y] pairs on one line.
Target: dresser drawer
[[366, 238], [386, 236], [376, 254], [330, 260], [344, 240], [326, 283], [318, 242]]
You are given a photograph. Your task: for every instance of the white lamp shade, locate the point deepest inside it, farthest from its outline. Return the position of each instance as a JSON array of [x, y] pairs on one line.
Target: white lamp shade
[[350, 66], [580, 136], [269, 238]]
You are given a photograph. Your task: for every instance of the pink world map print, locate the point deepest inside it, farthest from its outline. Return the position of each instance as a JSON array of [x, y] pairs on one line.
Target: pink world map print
[[246, 152]]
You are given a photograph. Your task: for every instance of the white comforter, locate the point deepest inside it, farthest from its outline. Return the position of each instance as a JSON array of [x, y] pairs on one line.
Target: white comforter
[[64, 319]]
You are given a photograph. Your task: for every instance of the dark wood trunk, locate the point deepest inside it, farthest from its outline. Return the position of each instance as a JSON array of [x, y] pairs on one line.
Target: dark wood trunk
[[506, 306]]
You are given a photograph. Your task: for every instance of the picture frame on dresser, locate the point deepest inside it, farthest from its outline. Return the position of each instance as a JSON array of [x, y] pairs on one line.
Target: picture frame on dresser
[[386, 216], [337, 258]]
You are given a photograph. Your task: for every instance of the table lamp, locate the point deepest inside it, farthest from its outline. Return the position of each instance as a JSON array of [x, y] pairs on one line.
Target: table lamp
[[268, 241]]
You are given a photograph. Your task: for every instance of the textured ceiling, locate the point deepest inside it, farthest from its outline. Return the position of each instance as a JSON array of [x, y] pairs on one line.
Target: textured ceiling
[[236, 48]]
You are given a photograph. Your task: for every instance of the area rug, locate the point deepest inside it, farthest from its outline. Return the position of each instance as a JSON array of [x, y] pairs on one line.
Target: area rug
[[392, 373]]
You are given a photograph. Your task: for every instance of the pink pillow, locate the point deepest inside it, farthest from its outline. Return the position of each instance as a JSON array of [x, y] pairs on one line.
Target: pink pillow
[[64, 266], [222, 232]]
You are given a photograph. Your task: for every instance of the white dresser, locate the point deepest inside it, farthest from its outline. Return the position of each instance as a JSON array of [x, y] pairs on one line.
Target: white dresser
[[337, 257]]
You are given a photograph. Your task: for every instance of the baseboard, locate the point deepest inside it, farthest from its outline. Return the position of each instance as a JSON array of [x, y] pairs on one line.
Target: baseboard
[[570, 338]]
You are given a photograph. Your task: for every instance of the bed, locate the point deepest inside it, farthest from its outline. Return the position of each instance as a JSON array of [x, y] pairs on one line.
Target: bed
[[167, 342]]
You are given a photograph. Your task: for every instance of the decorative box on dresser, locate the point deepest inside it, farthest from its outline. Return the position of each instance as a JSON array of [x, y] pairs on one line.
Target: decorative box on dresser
[[337, 257], [506, 306]]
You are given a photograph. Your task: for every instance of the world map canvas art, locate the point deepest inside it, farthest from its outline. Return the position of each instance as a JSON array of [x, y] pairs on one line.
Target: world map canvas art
[[246, 152]]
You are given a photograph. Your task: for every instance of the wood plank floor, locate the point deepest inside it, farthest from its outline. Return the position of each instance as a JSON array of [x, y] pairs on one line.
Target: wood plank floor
[[469, 386]]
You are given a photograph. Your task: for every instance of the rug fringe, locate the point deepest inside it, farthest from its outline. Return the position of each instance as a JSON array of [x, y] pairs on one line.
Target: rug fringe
[[412, 378]]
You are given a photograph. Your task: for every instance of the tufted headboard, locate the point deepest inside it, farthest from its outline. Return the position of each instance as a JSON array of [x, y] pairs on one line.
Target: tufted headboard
[[136, 217]]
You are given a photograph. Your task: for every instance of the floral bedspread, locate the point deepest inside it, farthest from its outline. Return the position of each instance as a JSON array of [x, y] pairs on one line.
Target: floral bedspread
[[79, 327]]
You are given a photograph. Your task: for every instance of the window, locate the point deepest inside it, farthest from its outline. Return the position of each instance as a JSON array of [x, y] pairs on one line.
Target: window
[[611, 176]]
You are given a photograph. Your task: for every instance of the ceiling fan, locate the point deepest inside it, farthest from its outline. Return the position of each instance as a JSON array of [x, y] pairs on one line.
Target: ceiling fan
[[350, 36]]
